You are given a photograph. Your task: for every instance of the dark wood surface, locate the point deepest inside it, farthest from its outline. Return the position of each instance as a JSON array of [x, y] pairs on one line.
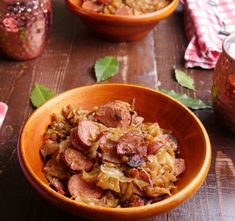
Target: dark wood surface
[[67, 63]]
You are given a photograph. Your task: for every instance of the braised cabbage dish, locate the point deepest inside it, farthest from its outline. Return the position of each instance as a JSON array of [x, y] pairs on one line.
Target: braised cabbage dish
[[110, 157]]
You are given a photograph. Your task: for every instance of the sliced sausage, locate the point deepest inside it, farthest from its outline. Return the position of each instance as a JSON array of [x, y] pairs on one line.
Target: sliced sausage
[[114, 114], [74, 139], [78, 187], [154, 147], [179, 166], [84, 134], [129, 143], [76, 160]]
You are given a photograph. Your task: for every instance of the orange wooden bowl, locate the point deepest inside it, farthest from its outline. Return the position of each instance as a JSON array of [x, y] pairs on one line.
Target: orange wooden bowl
[[117, 27], [153, 106]]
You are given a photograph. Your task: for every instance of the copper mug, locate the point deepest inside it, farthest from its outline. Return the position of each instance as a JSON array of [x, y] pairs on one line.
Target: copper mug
[[223, 89], [24, 27]]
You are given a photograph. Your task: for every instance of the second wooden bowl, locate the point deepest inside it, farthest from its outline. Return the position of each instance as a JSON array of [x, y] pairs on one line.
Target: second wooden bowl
[[120, 27]]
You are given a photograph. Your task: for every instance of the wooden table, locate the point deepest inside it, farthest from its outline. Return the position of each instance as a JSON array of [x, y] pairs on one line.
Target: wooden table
[[67, 63]]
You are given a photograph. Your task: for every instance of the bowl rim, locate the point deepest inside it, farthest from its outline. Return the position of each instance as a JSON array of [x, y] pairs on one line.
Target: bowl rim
[[163, 205], [148, 17]]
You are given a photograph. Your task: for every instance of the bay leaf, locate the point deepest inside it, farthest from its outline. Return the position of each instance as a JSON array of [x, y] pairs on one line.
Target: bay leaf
[[184, 79], [40, 94], [192, 103], [105, 68]]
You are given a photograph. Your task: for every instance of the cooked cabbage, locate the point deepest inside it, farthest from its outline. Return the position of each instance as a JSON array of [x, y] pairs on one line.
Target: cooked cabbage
[[91, 177]]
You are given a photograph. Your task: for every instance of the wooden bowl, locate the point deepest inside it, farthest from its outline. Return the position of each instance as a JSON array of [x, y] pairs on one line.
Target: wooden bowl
[[153, 106], [117, 27]]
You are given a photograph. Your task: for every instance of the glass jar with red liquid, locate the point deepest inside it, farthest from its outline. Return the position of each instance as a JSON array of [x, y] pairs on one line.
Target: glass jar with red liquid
[[223, 89], [24, 27]]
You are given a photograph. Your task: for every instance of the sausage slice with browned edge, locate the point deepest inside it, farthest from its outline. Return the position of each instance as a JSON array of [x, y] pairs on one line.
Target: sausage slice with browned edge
[[74, 139], [131, 143], [76, 160], [78, 187], [114, 114], [84, 134]]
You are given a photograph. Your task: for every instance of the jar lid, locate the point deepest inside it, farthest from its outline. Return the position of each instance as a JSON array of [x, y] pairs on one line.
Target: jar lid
[[229, 46]]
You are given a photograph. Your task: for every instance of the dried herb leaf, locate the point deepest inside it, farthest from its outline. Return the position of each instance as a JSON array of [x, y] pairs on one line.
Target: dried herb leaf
[[40, 94], [190, 102], [105, 68], [184, 79]]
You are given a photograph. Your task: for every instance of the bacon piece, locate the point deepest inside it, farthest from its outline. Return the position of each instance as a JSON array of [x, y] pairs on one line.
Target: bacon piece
[[58, 186]]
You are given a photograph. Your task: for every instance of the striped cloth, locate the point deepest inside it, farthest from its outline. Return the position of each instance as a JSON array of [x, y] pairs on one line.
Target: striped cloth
[[206, 24], [3, 112]]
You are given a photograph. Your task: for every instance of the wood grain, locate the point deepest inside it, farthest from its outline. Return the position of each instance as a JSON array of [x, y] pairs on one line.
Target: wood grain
[[67, 63]]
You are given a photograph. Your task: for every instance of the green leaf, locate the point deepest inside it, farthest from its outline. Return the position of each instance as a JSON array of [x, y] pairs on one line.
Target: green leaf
[[190, 102], [40, 94], [105, 68], [184, 79]]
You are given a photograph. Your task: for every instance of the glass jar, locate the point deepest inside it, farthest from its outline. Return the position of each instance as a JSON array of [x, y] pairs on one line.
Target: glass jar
[[223, 89], [24, 27]]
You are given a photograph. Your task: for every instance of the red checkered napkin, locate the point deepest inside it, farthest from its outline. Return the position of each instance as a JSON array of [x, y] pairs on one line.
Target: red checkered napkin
[[3, 112], [205, 20]]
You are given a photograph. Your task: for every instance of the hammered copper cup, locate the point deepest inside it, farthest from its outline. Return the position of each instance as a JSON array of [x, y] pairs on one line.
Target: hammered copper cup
[[223, 89], [24, 28]]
